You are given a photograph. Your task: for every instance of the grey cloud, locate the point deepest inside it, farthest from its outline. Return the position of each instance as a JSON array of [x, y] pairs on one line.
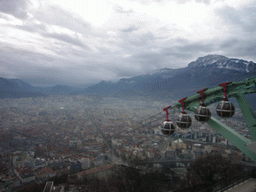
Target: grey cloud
[[239, 19], [179, 55], [114, 69], [158, 56], [44, 78], [152, 60], [149, 57], [130, 29], [229, 43], [55, 15], [93, 68], [196, 47], [121, 10], [21, 62], [207, 2], [181, 40], [176, 53], [31, 27], [150, 52], [231, 47], [242, 25], [182, 1], [147, 2], [183, 48], [42, 30], [4, 16], [66, 38], [140, 40], [17, 8], [239, 47], [72, 76], [144, 2], [45, 70], [134, 52]]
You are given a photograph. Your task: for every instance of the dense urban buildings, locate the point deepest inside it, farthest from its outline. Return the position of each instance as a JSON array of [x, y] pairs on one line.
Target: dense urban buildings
[[46, 137]]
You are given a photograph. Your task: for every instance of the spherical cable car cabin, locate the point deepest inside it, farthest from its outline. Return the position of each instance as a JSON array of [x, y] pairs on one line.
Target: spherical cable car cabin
[[184, 121], [225, 108], [203, 113], [168, 127]]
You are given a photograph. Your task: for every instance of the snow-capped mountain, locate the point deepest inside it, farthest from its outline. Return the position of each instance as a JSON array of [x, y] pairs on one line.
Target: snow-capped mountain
[[222, 62], [208, 71]]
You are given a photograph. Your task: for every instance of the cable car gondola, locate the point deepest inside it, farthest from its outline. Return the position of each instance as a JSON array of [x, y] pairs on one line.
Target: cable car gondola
[[184, 120], [225, 108], [203, 113], [168, 127]]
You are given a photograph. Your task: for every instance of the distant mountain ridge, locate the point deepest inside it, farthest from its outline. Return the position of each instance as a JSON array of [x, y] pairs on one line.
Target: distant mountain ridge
[[206, 71], [58, 90], [16, 88], [221, 62]]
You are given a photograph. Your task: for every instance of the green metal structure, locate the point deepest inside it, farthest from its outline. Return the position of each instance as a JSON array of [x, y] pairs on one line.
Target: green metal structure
[[236, 90]]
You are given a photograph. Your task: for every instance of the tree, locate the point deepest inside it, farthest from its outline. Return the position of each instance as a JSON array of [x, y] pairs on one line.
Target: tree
[[207, 170], [128, 179], [60, 179], [125, 179], [32, 187]]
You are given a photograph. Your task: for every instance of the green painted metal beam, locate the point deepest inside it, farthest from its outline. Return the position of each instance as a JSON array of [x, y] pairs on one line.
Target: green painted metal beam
[[248, 113], [216, 94], [232, 136], [237, 90]]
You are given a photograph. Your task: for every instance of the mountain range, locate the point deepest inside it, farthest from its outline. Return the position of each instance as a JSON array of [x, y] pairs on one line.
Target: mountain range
[[208, 71]]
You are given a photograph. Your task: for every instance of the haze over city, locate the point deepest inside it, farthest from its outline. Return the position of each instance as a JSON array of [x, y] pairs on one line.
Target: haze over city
[[77, 43]]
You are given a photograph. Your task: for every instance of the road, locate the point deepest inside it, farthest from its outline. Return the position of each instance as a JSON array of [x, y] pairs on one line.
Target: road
[[115, 159]]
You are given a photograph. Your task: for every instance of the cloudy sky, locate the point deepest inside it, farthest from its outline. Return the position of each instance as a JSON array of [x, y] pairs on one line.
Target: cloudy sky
[[48, 42]]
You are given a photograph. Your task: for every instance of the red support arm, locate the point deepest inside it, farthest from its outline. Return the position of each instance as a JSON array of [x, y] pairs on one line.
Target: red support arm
[[183, 104], [167, 113], [224, 85], [202, 95]]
